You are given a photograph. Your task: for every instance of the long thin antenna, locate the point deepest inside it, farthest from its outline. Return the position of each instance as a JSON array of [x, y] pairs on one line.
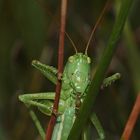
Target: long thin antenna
[[97, 23], [71, 42]]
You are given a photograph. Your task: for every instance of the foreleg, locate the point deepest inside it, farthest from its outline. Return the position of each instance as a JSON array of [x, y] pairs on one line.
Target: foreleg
[[35, 100], [109, 80], [48, 71], [40, 100]]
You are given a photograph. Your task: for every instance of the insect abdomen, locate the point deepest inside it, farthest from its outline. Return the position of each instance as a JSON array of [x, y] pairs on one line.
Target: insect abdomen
[[64, 124]]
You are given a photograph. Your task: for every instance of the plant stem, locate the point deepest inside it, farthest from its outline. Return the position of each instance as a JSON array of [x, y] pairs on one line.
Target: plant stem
[[134, 64], [133, 56], [60, 70], [132, 120], [86, 108]]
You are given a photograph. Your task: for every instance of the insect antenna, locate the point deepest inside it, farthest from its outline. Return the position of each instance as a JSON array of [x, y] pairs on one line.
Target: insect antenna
[[97, 23], [74, 46]]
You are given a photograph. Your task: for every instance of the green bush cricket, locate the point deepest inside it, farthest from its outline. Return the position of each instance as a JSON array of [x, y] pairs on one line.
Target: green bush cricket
[[75, 83]]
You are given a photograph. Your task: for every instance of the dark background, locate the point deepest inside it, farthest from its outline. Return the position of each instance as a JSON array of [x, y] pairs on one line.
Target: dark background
[[29, 29]]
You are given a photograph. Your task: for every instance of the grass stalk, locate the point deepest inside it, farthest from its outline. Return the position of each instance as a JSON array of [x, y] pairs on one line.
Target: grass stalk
[[86, 108]]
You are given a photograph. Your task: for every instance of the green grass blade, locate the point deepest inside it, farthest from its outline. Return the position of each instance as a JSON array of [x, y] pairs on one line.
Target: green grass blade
[[86, 108], [133, 55]]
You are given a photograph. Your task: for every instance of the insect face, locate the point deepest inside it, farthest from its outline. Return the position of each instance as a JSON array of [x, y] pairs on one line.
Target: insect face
[[78, 69]]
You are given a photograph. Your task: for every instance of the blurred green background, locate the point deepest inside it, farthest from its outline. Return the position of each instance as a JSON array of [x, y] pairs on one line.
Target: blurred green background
[[29, 29]]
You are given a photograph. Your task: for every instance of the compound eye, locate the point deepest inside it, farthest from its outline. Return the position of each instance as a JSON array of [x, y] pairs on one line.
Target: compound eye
[[88, 60], [71, 59]]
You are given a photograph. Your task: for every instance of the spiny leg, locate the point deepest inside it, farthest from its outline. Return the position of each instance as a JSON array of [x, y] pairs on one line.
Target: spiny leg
[[37, 124], [95, 121], [41, 100], [33, 100], [34, 96], [48, 71], [109, 80]]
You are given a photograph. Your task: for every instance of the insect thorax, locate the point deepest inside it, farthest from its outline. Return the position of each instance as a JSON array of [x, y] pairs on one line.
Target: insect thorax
[[77, 73]]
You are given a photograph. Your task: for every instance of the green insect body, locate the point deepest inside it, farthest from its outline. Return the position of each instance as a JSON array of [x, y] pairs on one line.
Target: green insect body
[[75, 83], [64, 124], [76, 80]]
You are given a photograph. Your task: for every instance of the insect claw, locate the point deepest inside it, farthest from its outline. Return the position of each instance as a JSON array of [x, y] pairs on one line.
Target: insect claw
[[55, 113], [59, 76]]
